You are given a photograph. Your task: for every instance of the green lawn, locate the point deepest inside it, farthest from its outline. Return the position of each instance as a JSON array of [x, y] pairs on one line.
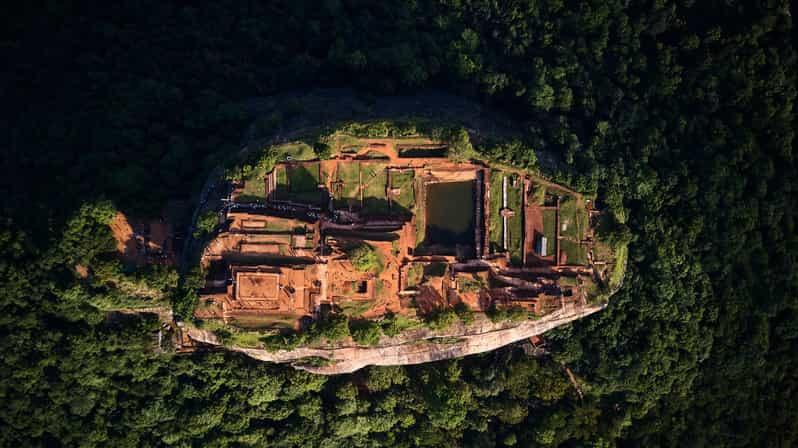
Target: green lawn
[[421, 219], [254, 186], [550, 228], [415, 274], [303, 177], [347, 143], [354, 308], [375, 180], [574, 216], [515, 226], [297, 151], [349, 191], [621, 252], [495, 224], [299, 183], [281, 177], [349, 172], [264, 322], [404, 182], [575, 253], [376, 155]]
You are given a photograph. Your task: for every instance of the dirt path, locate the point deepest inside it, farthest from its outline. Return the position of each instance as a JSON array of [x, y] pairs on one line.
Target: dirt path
[[129, 250]]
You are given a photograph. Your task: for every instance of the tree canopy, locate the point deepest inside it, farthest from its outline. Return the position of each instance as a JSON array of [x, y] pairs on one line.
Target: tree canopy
[[679, 116]]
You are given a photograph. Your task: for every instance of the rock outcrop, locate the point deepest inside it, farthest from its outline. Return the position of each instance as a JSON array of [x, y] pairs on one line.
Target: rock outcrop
[[413, 347]]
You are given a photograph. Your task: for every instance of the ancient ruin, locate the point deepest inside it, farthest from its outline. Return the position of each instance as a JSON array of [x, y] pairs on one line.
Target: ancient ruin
[[394, 226]]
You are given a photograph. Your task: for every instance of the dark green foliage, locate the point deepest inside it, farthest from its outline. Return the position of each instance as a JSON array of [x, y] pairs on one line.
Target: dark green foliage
[[505, 314], [440, 319], [364, 258], [678, 116], [464, 313], [331, 328], [322, 150], [206, 224], [460, 149], [365, 332], [394, 324]]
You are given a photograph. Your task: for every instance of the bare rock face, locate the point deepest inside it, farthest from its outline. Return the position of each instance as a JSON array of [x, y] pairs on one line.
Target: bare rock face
[[414, 347]]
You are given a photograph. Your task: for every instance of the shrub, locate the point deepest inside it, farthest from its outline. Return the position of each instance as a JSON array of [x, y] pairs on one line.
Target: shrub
[[365, 258], [464, 313], [322, 150], [392, 325], [184, 302], [440, 319], [206, 223], [512, 314], [537, 194], [365, 332], [333, 328], [460, 149]]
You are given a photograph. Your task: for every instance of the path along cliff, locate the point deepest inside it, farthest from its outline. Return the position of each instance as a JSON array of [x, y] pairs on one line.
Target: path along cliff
[[413, 347]]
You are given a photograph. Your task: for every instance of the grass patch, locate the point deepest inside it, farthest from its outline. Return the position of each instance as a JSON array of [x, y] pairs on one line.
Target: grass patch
[[515, 223], [349, 172], [281, 176], [575, 253], [264, 322], [254, 184], [505, 314], [537, 194], [495, 204], [375, 155], [299, 151], [515, 239], [464, 313], [246, 339], [440, 319], [415, 275], [550, 228], [568, 281], [375, 180], [616, 277], [421, 219], [470, 283], [230, 335], [303, 178], [349, 189], [348, 143], [299, 183], [393, 324], [574, 216], [403, 180], [353, 308], [331, 328], [592, 290]]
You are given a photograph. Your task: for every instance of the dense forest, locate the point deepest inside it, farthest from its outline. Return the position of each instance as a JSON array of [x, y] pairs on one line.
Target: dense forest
[[677, 114]]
